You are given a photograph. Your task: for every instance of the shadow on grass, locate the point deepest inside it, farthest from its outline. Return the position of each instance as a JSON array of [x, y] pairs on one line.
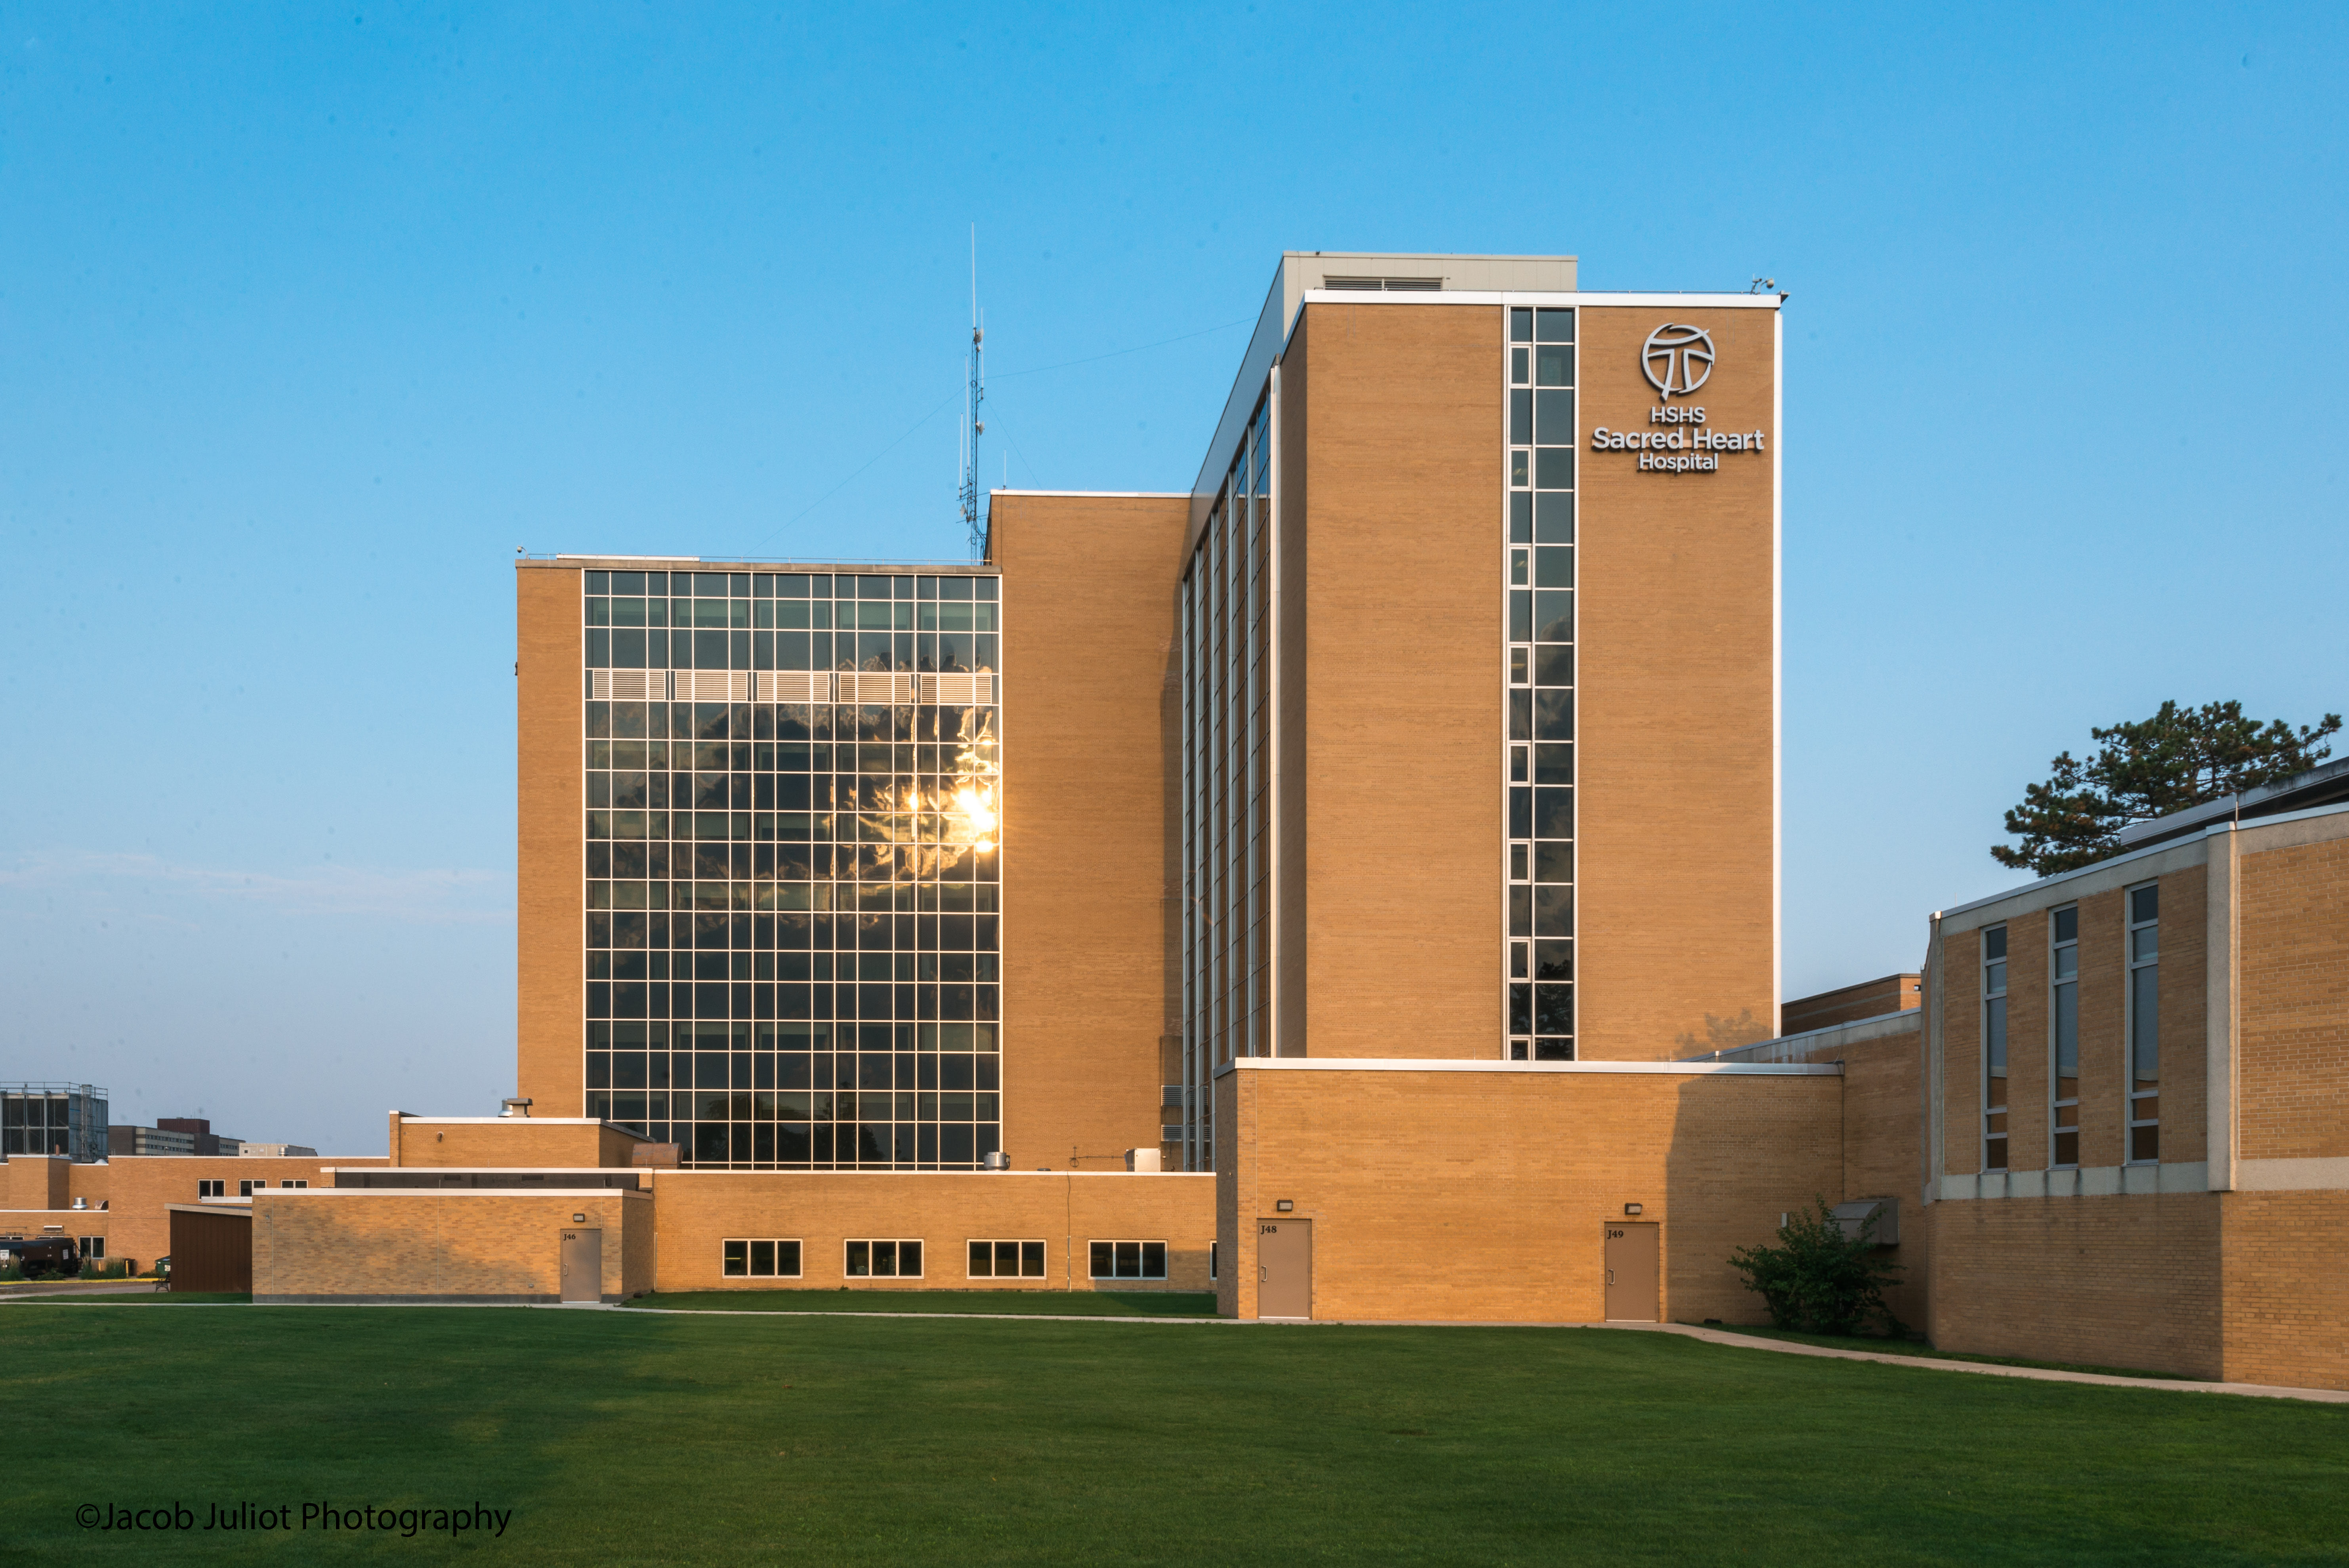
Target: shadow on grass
[[159, 1297], [842, 1442], [1925, 1352], [1022, 1303]]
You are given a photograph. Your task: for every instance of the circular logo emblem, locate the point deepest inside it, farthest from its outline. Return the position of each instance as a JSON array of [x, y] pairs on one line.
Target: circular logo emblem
[[1677, 360]]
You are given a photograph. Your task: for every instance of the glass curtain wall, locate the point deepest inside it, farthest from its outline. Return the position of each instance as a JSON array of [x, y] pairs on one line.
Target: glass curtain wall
[[1537, 673], [792, 897], [1226, 631]]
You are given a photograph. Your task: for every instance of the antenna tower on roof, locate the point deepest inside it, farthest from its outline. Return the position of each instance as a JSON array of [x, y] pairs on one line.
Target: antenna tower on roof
[[973, 524]]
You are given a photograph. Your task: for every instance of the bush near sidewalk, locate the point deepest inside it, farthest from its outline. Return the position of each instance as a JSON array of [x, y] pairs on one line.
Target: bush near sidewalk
[[1818, 1279]]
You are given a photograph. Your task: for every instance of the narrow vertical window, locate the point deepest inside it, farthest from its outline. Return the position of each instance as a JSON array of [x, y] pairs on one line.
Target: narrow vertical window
[[2063, 1022], [2145, 1022], [1537, 651], [1994, 1049]]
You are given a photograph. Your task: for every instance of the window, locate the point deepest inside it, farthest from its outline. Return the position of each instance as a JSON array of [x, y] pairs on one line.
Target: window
[[93, 1246], [1539, 583], [293, 1184], [790, 872], [2063, 1025], [1129, 1259], [748, 1259], [1211, 1259], [884, 1260], [2145, 1022], [210, 1190], [1007, 1260], [1994, 1049]]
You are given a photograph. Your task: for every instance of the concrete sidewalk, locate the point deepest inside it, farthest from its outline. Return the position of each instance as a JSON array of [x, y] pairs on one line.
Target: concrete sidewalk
[[2038, 1374]]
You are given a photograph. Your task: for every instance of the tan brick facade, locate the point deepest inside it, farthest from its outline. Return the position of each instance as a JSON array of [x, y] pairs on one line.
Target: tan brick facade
[[2124, 1281], [699, 1210], [482, 1246], [125, 1198], [2294, 1072], [1484, 1195], [2283, 1287], [550, 889], [1089, 968], [509, 1141], [1393, 708], [1676, 709], [2223, 1258]]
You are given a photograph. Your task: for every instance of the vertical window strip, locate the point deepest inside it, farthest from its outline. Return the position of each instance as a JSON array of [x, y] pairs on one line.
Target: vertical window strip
[[2143, 1023], [1540, 764], [2064, 1038], [1993, 1054]]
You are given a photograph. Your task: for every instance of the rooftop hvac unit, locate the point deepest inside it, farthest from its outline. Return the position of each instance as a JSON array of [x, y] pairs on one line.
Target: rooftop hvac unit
[[1142, 1160]]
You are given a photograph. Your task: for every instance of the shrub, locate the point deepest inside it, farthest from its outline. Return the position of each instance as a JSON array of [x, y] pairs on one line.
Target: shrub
[[1817, 1278]]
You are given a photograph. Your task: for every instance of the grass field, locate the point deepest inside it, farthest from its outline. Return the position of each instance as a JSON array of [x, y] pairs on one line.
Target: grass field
[[632, 1438]]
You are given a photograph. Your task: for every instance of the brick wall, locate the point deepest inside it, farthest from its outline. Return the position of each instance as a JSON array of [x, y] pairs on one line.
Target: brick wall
[[1676, 741], [138, 1187], [549, 867], [1881, 1126], [1483, 1196], [1848, 1004], [2293, 1070], [482, 1245], [38, 1181], [1088, 980], [2285, 1287], [2127, 1281], [510, 1141], [1392, 588], [699, 1210]]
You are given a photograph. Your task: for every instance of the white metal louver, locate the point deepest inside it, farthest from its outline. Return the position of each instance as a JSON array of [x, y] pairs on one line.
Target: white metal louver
[[712, 686], [876, 688], [628, 686], [795, 686], [958, 690]]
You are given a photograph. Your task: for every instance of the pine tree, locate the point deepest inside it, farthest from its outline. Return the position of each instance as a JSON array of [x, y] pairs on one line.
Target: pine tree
[[2180, 756]]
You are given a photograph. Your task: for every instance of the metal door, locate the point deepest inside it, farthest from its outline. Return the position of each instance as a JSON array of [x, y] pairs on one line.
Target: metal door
[[1631, 1272], [583, 1266], [1284, 1257]]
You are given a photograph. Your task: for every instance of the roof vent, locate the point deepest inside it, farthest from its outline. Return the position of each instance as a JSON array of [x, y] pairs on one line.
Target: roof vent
[[515, 1105], [1384, 285]]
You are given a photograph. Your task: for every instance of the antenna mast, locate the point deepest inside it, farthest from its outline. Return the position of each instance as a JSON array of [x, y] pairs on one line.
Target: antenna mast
[[973, 425]]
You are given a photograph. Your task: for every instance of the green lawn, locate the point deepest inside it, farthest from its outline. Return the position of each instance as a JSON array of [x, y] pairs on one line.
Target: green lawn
[[630, 1438], [1026, 1303], [1917, 1347]]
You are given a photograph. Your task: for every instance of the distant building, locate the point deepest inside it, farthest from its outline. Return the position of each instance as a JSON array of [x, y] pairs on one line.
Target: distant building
[[248, 1148], [67, 1119], [197, 1128], [126, 1139]]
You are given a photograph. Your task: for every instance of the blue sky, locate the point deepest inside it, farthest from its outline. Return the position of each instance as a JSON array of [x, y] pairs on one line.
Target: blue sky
[[309, 318]]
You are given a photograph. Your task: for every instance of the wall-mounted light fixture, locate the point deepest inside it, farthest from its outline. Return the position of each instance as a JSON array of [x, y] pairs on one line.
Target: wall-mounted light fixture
[[1285, 1206], [1631, 1207], [578, 1219]]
